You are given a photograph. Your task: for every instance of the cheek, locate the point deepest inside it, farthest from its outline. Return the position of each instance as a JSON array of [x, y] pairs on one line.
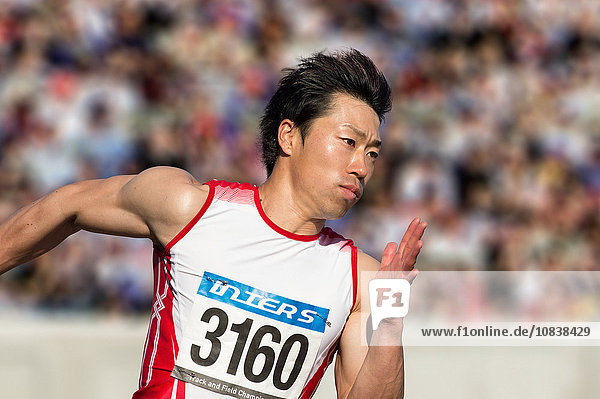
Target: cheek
[[326, 159], [322, 160], [371, 169], [334, 155]]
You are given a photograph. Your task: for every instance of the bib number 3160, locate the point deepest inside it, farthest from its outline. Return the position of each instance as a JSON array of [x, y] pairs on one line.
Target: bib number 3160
[[256, 349], [244, 342]]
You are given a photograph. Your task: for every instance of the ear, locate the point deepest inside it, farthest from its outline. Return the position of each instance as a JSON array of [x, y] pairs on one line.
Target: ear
[[285, 136]]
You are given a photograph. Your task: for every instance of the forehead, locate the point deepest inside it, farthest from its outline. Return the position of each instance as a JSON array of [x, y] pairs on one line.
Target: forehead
[[349, 113]]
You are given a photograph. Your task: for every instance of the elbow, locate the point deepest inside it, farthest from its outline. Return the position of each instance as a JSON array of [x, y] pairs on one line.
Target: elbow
[[67, 202]]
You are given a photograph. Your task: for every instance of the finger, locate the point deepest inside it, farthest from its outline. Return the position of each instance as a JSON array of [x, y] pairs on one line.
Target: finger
[[388, 254], [407, 235], [416, 236], [411, 259], [395, 265]]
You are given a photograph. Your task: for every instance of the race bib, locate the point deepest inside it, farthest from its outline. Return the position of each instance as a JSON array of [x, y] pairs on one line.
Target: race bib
[[241, 341]]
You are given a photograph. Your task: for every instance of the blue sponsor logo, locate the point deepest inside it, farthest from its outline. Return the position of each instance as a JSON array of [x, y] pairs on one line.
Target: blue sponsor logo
[[263, 303]]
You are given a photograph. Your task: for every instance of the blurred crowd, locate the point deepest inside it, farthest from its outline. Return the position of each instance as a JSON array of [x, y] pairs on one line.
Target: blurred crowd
[[494, 135]]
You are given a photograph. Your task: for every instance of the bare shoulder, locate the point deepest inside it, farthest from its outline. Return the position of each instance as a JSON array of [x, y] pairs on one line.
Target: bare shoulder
[[167, 197], [366, 263], [167, 179]]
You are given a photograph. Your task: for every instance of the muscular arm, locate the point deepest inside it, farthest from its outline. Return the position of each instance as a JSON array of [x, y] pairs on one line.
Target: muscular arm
[[154, 204], [377, 371]]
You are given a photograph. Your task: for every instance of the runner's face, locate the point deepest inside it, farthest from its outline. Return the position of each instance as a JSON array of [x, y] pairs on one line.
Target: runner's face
[[338, 157]]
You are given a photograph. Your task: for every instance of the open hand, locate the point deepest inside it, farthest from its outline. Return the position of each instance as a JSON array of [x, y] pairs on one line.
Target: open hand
[[398, 261]]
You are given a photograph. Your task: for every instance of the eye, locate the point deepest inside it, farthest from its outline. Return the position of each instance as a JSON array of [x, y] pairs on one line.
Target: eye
[[373, 154], [350, 142]]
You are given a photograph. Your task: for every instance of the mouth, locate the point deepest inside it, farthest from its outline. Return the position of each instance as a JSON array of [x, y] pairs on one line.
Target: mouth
[[352, 192]]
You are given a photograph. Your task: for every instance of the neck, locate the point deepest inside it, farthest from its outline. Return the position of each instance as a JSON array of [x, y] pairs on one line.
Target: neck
[[283, 207]]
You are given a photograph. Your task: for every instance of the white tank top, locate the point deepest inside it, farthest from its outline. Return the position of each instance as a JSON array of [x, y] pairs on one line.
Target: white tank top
[[243, 308]]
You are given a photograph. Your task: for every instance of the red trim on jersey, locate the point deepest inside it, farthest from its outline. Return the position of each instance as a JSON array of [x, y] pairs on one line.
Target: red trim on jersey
[[328, 232], [231, 185], [180, 390], [188, 227], [288, 234], [161, 346], [161, 387], [354, 258], [313, 383]]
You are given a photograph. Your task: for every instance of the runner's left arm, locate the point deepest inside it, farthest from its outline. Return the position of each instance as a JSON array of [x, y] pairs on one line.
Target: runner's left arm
[[377, 371]]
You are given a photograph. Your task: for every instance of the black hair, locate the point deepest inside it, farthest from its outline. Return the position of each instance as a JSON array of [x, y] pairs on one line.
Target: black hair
[[306, 93]]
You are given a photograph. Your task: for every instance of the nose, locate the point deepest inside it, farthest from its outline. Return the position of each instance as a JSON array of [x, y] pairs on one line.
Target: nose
[[358, 166]]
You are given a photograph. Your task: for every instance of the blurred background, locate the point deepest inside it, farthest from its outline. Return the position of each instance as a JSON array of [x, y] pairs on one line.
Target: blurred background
[[494, 135]]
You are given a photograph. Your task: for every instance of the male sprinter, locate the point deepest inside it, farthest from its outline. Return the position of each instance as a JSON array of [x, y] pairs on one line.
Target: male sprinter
[[253, 295]]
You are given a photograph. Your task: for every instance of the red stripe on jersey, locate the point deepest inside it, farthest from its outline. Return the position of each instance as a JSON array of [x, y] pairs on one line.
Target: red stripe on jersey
[[313, 383], [234, 192], [161, 388], [161, 346], [330, 237], [180, 390], [354, 258], [234, 185], [288, 234], [188, 227]]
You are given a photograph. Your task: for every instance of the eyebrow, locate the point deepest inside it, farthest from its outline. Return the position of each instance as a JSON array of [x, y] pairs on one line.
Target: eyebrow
[[363, 135]]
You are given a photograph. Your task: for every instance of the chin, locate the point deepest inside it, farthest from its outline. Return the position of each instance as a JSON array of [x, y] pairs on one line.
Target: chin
[[336, 214], [335, 208]]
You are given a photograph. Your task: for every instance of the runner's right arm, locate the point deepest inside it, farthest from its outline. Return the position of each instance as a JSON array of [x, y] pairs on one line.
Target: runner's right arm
[[154, 204]]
